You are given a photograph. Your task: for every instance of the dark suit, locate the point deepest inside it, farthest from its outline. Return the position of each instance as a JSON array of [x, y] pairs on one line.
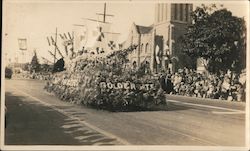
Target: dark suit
[[169, 86]]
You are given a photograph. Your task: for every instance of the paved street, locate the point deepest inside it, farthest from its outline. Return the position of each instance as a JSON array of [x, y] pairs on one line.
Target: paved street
[[37, 117]]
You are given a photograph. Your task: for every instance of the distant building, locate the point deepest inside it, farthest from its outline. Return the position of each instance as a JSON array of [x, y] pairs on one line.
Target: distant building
[[159, 44]]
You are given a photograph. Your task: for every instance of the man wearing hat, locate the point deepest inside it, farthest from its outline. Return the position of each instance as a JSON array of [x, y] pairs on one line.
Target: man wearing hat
[[166, 83]]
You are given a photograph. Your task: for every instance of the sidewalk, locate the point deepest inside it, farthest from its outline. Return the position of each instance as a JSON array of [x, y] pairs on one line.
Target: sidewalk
[[207, 101]]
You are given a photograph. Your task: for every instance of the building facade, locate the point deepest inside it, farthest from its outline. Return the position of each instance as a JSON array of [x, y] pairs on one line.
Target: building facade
[[159, 44], [142, 37]]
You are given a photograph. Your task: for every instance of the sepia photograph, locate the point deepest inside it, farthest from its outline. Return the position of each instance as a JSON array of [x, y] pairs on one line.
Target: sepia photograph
[[125, 75]]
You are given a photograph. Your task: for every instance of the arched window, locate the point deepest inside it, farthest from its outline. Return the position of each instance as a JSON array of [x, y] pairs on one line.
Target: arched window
[[146, 48]]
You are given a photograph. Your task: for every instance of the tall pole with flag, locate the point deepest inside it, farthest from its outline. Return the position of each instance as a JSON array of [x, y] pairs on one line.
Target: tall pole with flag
[[22, 42], [99, 40], [55, 46], [105, 14]]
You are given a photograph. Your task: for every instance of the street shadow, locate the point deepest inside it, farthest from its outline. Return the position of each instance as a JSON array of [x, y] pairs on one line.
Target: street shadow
[[166, 107]]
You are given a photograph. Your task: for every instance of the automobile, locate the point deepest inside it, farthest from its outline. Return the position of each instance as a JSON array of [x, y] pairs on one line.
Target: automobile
[[8, 73]]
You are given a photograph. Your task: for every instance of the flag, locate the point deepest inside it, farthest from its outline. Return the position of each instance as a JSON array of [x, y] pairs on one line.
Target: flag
[[99, 50], [80, 37], [100, 36], [158, 49], [157, 58], [120, 46], [61, 36], [112, 45], [69, 36], [52, 40], [65, 36], [48, 41], [22, 42], [96, 34], [111, 42]]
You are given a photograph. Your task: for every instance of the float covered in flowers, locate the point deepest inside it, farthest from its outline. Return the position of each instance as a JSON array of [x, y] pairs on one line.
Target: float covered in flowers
[[107, 83]]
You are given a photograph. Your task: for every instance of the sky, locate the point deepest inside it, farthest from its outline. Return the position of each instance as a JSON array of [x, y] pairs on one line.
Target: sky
[[35, 20]]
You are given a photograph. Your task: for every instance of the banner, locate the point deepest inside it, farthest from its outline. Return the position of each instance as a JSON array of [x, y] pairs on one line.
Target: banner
[[22, 42], [127, 86], [158, 49], [157, 58]]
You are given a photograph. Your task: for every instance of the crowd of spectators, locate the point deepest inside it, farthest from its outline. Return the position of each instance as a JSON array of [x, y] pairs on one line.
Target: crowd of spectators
[[223, 86], [38, 76], [186, 82]]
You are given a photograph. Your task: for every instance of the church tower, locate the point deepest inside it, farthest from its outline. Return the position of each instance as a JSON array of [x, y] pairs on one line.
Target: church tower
[[172, 12], [171, 21]]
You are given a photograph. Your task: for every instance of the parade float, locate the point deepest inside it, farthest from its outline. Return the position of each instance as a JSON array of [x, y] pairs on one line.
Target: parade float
[[100, 76], [108, 84]]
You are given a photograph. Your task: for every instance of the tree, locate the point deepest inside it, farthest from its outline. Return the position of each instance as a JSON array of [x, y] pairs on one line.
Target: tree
[[25, 67], [34, 65], [218, 37]]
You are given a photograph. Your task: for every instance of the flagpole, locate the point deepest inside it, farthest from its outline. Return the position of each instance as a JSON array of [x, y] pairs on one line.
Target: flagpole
[[55, 46], [104, 14]]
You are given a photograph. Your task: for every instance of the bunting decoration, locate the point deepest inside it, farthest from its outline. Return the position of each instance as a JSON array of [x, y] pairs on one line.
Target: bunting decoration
[[65, 36], [52, 41], [158, 49], [69, 36], [157, 58], [61, 36], [48, 41]]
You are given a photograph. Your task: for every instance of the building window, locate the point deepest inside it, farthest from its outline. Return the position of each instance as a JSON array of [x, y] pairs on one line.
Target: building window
[[175, 11], [146, 48], [187, 12], [158, 12], [181, 12], [162, 12]]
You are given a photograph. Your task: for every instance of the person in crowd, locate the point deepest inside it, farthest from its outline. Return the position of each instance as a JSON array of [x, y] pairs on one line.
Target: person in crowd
[[169, 85], [162, 82]]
